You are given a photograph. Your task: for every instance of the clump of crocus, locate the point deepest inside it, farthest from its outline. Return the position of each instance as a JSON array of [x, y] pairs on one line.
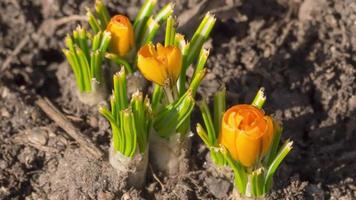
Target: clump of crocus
[[130, 125], [247, 140], [115, 39], [127, 38], [172, 101], [85, 56]]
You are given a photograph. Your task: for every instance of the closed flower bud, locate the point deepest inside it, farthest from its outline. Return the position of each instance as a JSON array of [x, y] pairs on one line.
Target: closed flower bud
[[247, 133], [160, 64], [122, 41]]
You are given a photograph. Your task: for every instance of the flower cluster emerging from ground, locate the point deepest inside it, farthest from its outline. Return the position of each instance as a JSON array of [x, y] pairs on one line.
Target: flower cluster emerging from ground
[[242, 137]]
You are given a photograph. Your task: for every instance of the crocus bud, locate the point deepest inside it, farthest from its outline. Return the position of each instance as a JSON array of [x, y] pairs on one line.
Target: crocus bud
[[247, 133], [160, 64], [122, 33]]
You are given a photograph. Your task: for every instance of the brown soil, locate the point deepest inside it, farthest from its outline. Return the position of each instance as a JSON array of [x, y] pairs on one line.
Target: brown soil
[[302, 52]]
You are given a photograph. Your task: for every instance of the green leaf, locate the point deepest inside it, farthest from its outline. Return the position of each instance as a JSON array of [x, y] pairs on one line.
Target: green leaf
[[164, 13], [105, 41], [138, 109], [170, 32], [196, 81], [208, 122], [96, 41], [271, 154], [283, 152], [103, 14], [83, 41], [257, 182], [259, 99], [239, 171], [94, 24], [83, 62], [156, 96], [70, 43], [149, 31], [96, 61], [142, 17], [174, 115], [115, 129], [120, 89], [74, 63], [203, 57], [203, 135], [200, 36], [119, 61], [129, 129], [219, 108]]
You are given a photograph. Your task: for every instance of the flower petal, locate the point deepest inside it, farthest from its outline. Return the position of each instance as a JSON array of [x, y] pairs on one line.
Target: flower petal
[[121, 30]]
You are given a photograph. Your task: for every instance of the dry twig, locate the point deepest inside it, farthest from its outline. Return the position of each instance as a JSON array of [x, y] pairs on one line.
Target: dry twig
[[66, 125]]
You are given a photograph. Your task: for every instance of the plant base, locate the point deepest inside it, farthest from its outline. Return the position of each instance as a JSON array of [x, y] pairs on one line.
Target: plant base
[[170, 155], [95, 96], [237, 196], [133, 168]]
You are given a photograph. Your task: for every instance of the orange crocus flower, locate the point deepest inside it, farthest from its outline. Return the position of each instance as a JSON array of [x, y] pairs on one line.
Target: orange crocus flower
[[247, 133], [122, 35], [160, 64]]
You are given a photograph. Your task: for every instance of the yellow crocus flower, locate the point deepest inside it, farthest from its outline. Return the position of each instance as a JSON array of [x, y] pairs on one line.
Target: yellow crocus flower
[[122, 35], [247, 133], [160, 64]]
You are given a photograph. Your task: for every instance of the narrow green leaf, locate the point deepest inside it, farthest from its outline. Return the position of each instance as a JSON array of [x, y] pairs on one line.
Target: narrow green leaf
[[168, 120], [83, 41], [119, 61], [156, 96], [271, 154], [96, 41], [164, 13], [259, 99], [149, 31], [93, 22], [85, 70], [219, 108], [103, 14], [283, 152], [105, 41], [70, 43], [76, 36], [142, 17], [203, 135], [196, 81], [115, 130], [180, 42], [128, 127], [74, 63], [96, 67], [200, 36], [203, 57], [138, 110], [257, 182], [170, 32], [239, 171], [204, 109], [122, 89]]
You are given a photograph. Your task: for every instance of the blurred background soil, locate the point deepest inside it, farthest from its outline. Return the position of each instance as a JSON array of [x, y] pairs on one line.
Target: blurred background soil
[[302, 52]]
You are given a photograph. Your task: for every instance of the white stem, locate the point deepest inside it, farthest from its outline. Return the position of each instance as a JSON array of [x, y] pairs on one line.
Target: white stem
[[170, 155], [248, 192], [133, 168], [97, 94], [236, 195]]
